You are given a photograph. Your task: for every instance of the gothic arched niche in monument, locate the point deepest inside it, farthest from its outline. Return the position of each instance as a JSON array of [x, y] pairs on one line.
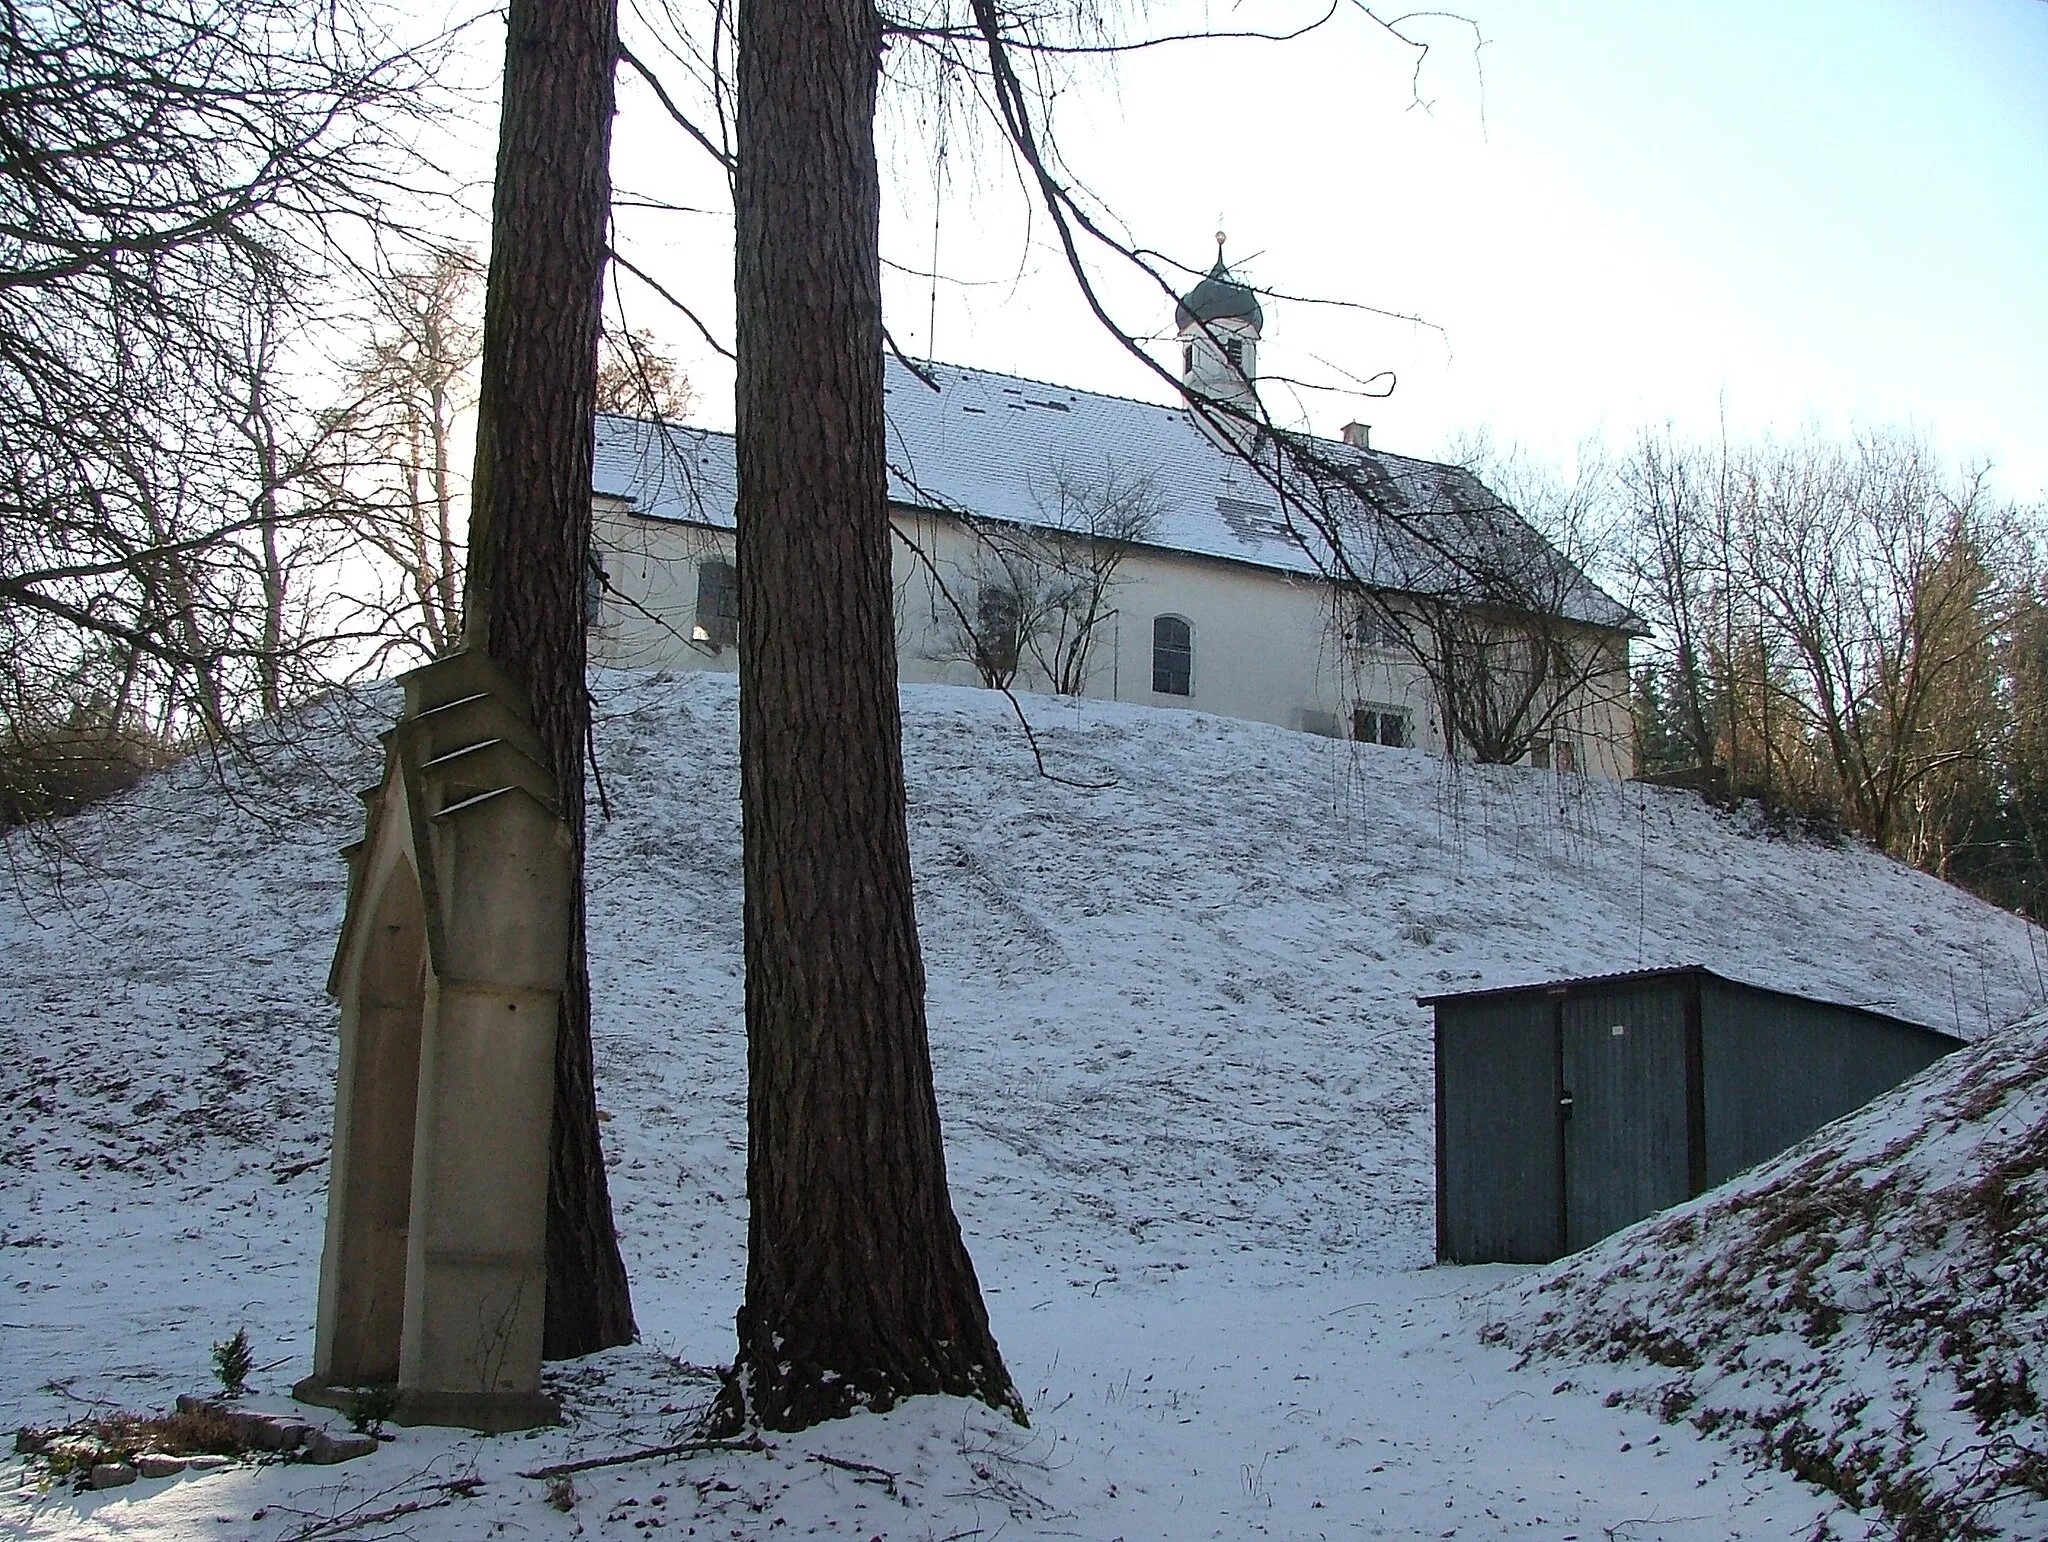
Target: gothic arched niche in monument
[[449, 973]]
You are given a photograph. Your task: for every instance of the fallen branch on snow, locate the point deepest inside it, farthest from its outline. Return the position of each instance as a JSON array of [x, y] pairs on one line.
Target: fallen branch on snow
[[863, 1472], [653, 1453], [357, 1519]]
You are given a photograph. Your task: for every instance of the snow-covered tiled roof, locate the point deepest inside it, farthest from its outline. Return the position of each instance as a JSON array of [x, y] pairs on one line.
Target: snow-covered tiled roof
[[1000, 447]]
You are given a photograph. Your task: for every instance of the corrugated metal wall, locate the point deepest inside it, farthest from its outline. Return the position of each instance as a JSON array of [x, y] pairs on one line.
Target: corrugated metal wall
[[1677, 1081], [1496, 1136], [1778, 1068]]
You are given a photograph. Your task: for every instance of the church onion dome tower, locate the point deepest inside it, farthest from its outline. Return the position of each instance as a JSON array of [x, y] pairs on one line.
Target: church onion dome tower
[[1219, 322]]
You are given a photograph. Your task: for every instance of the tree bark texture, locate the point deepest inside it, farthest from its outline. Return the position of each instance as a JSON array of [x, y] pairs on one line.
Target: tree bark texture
[[859, 1287], [530, 539]]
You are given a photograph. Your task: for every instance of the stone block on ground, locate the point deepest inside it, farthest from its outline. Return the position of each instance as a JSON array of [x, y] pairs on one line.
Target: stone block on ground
[[112, 1474], [268, 1434], [154, 1464], [324, 1450], [259, 1431]]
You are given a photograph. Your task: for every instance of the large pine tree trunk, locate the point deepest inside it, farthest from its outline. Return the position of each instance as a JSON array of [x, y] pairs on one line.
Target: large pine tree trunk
[[859, 1288], [530, 540]]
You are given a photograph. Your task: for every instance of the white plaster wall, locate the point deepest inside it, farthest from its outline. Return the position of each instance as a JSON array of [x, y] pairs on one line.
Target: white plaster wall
[[1601, 721], [1268, 646], [1213, 375], [643, 620]]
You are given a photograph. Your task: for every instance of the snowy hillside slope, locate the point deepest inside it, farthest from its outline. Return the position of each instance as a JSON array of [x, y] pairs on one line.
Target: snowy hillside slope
[[1870, 1309], [1185, 1084]]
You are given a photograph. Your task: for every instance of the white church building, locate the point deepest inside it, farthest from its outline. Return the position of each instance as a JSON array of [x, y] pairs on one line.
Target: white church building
[[1055, 539]]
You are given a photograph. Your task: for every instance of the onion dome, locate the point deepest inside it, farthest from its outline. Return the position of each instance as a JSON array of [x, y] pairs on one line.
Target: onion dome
[[1219, 297]]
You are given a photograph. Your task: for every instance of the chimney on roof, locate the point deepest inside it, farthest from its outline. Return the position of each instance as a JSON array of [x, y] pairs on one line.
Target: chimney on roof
[[1357, 435]]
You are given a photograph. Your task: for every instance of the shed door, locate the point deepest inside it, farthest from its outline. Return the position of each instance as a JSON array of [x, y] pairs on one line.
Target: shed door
[[1496, 1123], [1626, 1150]]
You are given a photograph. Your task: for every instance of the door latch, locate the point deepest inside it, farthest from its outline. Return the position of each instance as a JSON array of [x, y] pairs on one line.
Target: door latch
[[1564, 1105]]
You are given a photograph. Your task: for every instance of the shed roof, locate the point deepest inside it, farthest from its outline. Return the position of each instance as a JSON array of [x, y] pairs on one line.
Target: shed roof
[[1667, 972], [968, 441]]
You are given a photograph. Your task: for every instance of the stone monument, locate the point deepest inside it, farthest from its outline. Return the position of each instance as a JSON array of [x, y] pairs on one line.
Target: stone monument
[[449, 972]]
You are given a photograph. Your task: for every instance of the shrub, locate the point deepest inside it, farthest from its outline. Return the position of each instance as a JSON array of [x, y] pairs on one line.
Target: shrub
[[232, 1363]]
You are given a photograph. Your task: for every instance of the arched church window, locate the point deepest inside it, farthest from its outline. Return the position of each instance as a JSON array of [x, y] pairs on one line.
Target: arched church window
[[1173, 656], [998, 624]]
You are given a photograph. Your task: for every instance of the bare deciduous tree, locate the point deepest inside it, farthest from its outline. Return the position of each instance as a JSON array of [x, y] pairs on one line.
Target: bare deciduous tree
[[393, 472], [636, 376], [2004, 850], [1878, 582], [182, 583], [1491, 602], [1042, 592], [173, 175], [1092, 523], [1678, 502], [1829, 629]]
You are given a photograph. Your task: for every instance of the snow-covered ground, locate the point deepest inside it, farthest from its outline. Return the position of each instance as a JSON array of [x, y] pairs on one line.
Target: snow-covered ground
[[1186, 1092], [1870, 1309]]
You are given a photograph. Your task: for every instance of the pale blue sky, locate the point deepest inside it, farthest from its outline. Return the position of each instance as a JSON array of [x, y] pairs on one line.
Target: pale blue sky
[[1793, 214]]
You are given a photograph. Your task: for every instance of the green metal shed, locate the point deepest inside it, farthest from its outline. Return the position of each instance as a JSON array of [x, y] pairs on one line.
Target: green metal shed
[[1567, 1110]]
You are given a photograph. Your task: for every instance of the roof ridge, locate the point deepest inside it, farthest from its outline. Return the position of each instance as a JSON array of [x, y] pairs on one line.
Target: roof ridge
[[911, 366], [602, 414]]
